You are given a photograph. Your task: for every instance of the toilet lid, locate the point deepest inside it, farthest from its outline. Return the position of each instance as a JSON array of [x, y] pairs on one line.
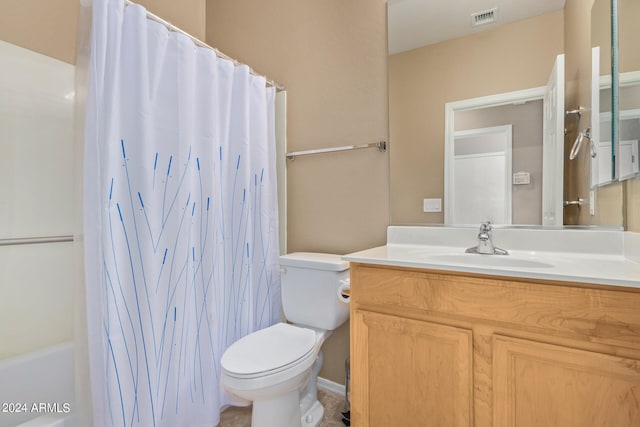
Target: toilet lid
[[268, 349]]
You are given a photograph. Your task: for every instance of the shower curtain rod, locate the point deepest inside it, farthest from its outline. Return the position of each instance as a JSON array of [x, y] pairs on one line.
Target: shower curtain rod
[[200, 43]]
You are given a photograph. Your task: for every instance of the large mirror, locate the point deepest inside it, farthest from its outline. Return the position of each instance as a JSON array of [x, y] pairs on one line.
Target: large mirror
[[492, 81], [629, 93], [616, 111], [602, 148]]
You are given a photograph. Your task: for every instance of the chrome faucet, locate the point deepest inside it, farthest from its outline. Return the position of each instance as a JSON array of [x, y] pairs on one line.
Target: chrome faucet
[[485, 245]]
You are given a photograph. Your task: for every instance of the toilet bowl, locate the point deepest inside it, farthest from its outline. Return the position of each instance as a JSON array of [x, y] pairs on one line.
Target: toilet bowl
[[276, 368], [273, 376]]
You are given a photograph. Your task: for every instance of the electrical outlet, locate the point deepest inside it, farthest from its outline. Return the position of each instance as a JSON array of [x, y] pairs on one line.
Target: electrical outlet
[[592, 202]]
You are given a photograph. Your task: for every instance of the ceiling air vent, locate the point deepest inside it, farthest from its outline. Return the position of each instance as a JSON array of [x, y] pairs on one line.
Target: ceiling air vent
[[484, 17]]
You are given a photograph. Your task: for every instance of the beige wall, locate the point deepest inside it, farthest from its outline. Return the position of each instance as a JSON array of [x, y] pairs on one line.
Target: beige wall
[[514, 56], [629, 33], [633, 205], [577, 32], [188, 15], [601, 32], [47, 27], [50, 27], [331, 57]]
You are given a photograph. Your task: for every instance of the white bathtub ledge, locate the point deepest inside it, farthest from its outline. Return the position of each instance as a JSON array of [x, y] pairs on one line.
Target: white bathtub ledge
[[50, 420]]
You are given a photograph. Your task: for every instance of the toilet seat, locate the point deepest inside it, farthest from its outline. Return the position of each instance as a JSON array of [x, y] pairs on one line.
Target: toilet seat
[[269, 351]]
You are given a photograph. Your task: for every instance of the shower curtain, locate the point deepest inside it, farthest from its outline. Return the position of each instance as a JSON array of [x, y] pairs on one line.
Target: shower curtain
[[181, 221]]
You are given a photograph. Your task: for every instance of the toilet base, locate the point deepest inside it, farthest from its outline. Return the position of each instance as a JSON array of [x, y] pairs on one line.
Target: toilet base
[[313, 416], [283, 411], [311, 409], [298, 408]]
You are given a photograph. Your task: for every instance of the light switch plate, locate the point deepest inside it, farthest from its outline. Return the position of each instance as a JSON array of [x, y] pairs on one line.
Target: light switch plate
[[432, 205], [592, 202], [521, 178]]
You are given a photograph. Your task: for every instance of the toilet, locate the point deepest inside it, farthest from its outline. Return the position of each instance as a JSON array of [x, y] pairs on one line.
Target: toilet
[[277, 368]]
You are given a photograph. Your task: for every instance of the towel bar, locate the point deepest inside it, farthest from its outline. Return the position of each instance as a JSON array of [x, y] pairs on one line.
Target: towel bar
[[381, 146]]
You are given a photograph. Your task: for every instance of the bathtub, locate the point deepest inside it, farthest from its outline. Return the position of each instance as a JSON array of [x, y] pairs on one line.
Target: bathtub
[[36, 389]]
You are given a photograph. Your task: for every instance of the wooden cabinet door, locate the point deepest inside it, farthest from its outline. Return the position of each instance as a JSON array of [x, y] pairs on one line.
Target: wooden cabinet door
[[537, 384], [410, 373]]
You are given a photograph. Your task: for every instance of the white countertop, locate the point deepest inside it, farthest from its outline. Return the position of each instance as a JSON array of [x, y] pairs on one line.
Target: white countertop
[[583, 265]]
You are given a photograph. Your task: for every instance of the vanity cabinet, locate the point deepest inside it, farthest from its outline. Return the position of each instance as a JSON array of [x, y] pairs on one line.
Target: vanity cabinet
[[398, 352], [436, 348]]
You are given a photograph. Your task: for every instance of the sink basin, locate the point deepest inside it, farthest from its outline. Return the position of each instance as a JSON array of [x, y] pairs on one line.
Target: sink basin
[[487, 260]]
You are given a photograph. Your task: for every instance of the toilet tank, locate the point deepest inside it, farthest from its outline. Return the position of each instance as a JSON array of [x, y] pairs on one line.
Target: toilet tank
[[309, 288]]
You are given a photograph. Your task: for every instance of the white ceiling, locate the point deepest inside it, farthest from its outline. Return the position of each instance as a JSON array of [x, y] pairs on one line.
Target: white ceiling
[[416, 23]]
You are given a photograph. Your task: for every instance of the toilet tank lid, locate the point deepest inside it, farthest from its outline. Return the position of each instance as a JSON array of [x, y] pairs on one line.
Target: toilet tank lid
[[314, 260]]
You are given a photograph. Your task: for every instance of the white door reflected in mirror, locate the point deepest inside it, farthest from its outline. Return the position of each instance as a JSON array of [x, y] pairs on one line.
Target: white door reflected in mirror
[[481, 168]]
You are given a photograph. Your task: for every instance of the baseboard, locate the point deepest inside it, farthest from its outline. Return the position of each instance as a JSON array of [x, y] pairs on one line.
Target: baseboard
[[328, 385]]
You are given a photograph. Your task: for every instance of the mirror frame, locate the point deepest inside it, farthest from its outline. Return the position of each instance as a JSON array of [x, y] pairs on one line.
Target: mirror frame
[[615, 91]]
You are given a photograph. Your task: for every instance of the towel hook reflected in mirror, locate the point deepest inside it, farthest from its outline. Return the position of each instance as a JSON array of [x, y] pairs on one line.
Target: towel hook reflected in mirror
[[578, 112], [575, 149]]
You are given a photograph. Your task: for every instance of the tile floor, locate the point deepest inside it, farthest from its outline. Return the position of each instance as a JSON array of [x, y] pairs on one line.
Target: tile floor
[[333, 406]]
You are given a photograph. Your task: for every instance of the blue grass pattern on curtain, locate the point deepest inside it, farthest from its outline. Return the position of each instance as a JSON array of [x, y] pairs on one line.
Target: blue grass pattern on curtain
[[186, 273]]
